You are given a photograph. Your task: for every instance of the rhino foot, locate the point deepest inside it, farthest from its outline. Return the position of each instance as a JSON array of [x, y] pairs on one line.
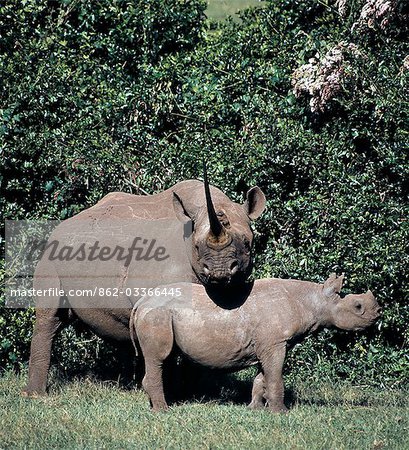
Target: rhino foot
[[160, 409], [32, 394], [282, 409], [256, 405]]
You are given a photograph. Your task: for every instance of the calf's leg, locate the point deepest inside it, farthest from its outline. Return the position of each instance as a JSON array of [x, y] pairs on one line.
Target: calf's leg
[[153, 384], [155, 336], [272, 366], [257, 393]]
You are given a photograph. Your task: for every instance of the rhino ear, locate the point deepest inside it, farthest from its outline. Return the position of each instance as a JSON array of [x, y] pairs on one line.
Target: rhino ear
[[369, 294], [179, 209], [255, 202], [333, 285]]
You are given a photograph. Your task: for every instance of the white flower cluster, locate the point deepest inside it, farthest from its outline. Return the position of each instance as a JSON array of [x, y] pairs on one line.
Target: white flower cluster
[[374, 12], [341, 5], [322, 78]]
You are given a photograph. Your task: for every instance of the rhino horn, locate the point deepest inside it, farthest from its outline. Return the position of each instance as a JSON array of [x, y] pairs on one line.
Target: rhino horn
[[215, 226], [217, 233]]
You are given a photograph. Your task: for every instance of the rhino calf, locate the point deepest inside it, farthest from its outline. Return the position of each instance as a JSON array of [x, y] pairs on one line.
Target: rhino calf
[[255, 327]]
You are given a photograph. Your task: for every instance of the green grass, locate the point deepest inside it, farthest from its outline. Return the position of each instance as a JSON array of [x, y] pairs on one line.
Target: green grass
[[87, 414], [220, 9]]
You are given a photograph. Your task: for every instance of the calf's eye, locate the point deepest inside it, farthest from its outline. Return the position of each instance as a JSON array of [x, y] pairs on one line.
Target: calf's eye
[[359, 308]]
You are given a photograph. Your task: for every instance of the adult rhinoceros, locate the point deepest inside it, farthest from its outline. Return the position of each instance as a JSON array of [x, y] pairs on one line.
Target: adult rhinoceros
[[219, 247]]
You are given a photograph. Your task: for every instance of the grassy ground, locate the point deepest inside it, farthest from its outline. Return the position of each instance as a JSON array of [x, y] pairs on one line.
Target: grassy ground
[[86, 414], [220, 9]]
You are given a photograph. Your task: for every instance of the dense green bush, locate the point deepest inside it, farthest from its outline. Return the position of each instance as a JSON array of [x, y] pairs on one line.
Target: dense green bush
[[88, 113], [77, 79]]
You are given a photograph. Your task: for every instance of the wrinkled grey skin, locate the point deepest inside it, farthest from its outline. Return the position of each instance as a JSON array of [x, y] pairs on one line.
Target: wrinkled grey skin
[[266, 321], [221, 254]]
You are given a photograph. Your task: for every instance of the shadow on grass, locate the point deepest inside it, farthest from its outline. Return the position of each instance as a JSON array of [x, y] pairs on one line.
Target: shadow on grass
[[116, 366], [187, 382]]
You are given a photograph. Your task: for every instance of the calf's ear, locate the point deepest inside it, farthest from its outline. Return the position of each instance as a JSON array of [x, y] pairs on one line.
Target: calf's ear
[[333, 285], [255, 202], [179, 209], [369, 294]]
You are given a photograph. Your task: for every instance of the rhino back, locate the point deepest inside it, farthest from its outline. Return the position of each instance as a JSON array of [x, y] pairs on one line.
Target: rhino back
[[156, 206]]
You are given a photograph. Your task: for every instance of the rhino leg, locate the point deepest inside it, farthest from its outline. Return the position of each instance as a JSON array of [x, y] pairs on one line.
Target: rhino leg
[[48, 323], [155, 336], [272, 366], [257, 393], [50, 318]]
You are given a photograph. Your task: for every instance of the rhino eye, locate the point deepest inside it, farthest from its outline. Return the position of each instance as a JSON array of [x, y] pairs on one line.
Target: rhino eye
[[358, 307], [223, 219]]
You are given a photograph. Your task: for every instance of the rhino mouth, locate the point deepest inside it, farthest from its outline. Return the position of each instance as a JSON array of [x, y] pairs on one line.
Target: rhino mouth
[[368, 321], [234, 276], [220, 281]]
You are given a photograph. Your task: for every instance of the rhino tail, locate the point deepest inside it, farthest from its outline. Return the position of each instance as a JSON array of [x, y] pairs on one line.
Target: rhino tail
[[132, 325], [132, 331]]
